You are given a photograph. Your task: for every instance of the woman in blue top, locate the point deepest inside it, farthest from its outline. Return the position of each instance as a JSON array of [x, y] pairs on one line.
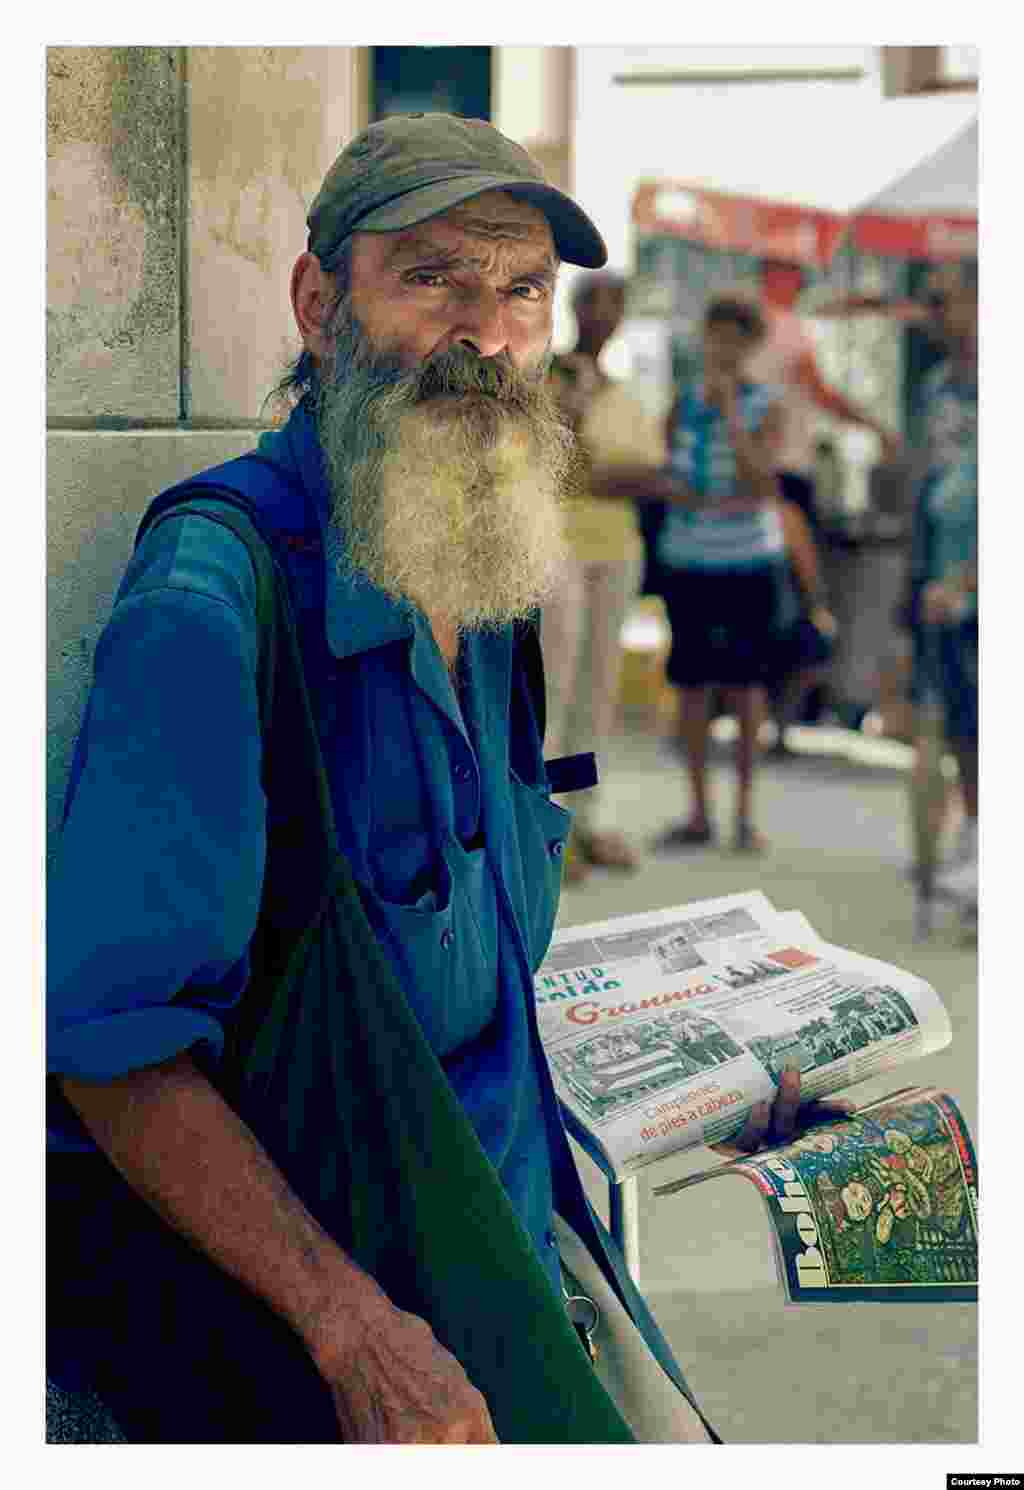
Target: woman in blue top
[[722, 556]]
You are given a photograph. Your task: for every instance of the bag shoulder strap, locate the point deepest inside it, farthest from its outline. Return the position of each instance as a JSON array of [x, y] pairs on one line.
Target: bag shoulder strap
[[264, 569], [278, 636], [274, 503], [263, 507]]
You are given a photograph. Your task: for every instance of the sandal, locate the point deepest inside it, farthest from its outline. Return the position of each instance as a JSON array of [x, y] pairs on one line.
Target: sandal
[[684, 835], [607, 850]]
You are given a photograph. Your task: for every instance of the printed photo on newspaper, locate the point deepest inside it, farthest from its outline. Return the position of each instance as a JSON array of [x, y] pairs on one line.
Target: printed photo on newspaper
[[662, 1031]]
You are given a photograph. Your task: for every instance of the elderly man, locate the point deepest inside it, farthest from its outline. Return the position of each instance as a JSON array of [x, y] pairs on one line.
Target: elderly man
[[359, 1239]]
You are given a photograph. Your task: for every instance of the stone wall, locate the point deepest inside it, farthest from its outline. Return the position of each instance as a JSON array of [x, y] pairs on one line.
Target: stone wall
[[178, 182]]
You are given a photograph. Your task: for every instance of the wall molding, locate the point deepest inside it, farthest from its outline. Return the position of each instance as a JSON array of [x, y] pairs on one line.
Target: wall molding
[[703, 76]]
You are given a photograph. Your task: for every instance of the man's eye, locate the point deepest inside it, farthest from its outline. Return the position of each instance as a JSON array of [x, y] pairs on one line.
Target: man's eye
[[427, 278], [528, 292]]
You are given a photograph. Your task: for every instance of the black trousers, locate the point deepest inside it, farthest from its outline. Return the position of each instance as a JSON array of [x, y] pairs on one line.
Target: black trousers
[[178, 1351]]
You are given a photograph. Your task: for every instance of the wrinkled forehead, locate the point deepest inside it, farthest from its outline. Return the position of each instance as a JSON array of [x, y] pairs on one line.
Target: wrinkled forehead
[[498, 216]]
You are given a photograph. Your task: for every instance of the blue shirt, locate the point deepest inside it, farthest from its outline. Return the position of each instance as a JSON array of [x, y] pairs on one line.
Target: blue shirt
[[701, 451], [709, 538], [946, 516], [442, 807]]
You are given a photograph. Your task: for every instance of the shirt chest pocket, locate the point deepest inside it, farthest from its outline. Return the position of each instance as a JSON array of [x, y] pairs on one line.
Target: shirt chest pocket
[[542, 828], [444, 945]]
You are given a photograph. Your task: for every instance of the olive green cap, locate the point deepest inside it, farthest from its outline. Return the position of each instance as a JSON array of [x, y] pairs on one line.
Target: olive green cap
[[409, 167]]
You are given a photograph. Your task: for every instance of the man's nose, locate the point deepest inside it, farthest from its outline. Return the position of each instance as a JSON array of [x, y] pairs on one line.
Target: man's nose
[[480, 325]]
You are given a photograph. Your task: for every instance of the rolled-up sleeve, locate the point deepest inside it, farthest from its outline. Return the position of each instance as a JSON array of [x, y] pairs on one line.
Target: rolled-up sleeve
[[155, 889]]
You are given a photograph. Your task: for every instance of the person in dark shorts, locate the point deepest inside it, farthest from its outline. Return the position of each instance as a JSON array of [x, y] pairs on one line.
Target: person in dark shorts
[[723, 561]]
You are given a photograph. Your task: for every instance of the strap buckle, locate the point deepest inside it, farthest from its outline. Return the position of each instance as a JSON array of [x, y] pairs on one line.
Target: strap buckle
[[584, 1316]]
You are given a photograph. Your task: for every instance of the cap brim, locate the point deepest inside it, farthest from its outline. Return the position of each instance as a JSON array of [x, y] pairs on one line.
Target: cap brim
[[577, 241]]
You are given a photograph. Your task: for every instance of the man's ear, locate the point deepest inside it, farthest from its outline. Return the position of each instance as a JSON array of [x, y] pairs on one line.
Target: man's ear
[[313, 294]]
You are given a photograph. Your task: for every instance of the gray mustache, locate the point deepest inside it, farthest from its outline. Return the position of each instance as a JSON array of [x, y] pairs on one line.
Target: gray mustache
[[460, 371]]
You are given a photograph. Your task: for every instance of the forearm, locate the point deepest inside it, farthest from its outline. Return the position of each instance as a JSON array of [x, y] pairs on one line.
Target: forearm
[[805, 566], [191, 1158], [807, 570], [901, 308], [640, 484], [831, 401]]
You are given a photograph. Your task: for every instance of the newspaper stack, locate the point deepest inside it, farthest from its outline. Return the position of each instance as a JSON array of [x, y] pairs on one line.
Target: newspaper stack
[[664, 1029]]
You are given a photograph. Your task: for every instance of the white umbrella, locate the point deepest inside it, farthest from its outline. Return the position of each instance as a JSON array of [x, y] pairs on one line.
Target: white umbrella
[[944, 183], [937, 201]]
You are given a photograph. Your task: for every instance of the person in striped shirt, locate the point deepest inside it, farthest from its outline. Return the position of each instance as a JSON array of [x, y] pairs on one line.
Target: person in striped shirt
[[723, 559]]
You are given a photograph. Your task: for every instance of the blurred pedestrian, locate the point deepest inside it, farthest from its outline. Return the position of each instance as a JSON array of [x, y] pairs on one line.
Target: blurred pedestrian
[[786, 359], [943, 611], [582, 623], [723, 560]]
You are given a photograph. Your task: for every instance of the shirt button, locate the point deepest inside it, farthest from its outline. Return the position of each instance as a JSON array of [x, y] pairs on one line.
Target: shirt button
[[447, 938], [461, 773], [557, 848]]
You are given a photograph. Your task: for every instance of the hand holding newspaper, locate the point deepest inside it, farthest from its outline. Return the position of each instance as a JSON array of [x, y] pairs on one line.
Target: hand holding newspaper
[[664, 1029]]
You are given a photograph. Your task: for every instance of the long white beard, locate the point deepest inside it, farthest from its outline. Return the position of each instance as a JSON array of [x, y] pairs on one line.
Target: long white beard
[[463, 514], [447, 481]]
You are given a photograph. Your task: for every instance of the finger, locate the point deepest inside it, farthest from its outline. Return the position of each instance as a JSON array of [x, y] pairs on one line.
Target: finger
[[823, 1111], [787, 1103], [755, 1129]]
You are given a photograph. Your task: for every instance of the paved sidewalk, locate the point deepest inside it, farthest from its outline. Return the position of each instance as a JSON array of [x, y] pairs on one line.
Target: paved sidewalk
[[765, 1372]]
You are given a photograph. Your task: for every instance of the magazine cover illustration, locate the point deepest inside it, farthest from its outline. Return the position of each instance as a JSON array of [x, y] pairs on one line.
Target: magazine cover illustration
[[881, 1206]]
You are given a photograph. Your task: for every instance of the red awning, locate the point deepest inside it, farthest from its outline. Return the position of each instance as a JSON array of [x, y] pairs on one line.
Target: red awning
[[901, 222]]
